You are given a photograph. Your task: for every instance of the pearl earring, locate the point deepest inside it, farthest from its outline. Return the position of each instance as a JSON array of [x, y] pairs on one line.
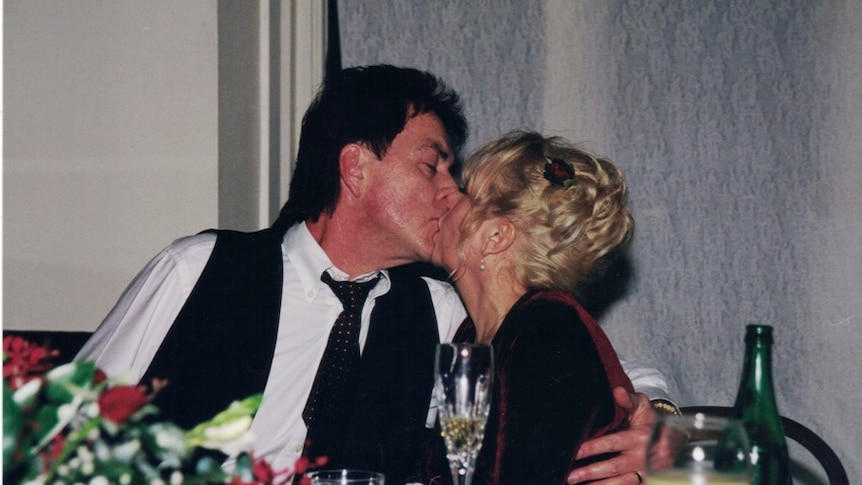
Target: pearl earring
[[482, 264]]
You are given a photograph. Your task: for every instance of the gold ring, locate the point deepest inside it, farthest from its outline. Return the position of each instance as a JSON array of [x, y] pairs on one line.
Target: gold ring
[[640, 478]]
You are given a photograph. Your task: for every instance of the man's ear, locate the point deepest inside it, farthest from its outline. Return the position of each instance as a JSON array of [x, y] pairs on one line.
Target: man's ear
[[500, 235], [350, 166]]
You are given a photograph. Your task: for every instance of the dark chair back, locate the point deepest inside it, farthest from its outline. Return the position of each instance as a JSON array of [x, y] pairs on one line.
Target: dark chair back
[[795, 431]]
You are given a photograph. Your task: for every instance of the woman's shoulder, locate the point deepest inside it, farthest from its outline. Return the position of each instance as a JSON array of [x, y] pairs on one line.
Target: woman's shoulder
[[548, 313], [551, 303]]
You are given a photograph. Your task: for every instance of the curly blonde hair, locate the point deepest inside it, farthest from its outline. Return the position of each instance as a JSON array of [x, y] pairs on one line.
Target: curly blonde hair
[[567, 230]]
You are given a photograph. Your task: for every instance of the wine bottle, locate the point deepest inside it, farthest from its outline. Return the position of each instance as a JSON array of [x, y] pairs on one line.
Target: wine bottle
[[757, 408]]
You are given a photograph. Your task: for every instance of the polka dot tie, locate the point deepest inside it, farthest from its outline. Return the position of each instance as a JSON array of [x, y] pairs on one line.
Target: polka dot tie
[[335, 384]]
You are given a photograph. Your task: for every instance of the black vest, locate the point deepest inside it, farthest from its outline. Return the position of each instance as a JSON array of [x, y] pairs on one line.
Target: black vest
[[220, 349]]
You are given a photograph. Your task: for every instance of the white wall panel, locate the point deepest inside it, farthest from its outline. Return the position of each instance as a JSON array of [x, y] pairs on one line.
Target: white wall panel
[[110, 148]]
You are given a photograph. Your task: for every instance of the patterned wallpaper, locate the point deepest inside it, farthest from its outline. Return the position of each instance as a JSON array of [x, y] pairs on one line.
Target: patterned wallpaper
[[738, 126]]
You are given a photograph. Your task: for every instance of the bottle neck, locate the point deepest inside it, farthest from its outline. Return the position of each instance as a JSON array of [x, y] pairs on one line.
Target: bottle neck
[[756, 396], [758, 355]]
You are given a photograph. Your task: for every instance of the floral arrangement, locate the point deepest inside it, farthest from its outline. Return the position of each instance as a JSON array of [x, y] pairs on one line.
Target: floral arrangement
[[73, 425]]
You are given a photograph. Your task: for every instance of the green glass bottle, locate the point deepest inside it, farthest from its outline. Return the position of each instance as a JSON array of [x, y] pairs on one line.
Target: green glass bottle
[[757, 409]]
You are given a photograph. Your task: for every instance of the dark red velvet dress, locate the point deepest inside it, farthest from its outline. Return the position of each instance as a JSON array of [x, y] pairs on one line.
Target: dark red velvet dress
[[555, 371]]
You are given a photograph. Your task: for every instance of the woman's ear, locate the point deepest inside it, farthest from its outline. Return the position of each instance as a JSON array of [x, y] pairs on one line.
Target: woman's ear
[[500, 235], [350, 166]]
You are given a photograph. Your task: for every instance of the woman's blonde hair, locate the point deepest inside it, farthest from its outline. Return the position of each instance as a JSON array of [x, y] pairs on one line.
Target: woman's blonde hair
[[568, 225]]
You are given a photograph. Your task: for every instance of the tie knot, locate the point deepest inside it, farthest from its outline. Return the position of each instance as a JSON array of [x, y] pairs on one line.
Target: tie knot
[[351, 293]]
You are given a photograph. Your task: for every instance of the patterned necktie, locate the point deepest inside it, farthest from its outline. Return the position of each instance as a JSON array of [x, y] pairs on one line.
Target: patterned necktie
[[335, 384]]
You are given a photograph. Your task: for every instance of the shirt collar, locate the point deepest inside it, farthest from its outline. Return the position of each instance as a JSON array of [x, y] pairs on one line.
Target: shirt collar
[[310, 261]]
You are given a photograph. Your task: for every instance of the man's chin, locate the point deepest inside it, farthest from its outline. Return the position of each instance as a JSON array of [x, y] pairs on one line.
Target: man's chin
[[435, 261], [435, 258], [432, 249]]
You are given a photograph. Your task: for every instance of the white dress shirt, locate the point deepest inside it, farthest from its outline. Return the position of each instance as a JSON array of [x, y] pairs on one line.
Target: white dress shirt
[[127, 340]]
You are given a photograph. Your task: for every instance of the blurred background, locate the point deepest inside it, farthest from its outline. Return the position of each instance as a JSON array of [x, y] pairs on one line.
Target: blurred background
[[737, 123]]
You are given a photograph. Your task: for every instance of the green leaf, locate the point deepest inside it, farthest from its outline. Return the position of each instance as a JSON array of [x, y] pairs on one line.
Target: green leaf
[[244, 467], [69, 380], [13, 424], [208, 470], [236, 410], [46, 420]]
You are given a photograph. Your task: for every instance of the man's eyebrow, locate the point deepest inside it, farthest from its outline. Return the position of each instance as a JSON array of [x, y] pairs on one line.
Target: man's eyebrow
[[441, 152]]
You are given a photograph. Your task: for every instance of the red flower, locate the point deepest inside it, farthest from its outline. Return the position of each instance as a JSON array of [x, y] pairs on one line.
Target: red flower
[[559, 172], [118, 403], [57, 446], [23, 361], [99, 376], [264, 473], [303, 464]]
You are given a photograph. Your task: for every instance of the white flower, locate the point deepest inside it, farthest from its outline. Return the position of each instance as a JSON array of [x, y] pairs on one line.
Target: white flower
[[86, 456], [27, 392], [60, 372], [169, 438], [127, 450], [67, 411], [91, 409], [99, 480], [103, 451], [176, 478]]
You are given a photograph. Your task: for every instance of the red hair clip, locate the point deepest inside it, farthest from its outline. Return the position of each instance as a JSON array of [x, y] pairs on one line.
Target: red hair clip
[[559, 172]]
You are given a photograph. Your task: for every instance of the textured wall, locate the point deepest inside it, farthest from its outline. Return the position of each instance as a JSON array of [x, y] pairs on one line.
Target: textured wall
[[738, 125], [490, 51], [735, 124]]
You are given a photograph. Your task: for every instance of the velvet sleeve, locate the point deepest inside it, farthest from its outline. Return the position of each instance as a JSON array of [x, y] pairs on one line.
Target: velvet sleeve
[[553, 391]]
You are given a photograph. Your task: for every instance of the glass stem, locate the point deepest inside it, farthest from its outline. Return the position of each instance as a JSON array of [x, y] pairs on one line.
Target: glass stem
[[462, 475]]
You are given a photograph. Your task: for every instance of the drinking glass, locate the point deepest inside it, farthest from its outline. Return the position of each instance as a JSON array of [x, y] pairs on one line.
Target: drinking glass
[[698, 450], [345, 477], [463, 377]]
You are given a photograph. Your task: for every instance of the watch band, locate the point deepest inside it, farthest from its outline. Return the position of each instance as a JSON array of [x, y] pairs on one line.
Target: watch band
[[666, 407]]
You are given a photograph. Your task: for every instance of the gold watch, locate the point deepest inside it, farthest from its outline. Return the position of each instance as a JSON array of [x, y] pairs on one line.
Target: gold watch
[[663, 406]]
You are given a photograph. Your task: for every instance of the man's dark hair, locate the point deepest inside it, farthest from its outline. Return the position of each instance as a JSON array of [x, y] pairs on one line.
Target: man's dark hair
[[368, 105]]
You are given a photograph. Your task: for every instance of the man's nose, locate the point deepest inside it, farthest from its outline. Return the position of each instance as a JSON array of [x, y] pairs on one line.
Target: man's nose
[[451, 197], [447, 189]]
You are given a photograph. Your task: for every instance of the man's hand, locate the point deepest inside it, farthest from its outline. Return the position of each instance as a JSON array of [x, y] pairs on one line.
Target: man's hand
[[628, 467]]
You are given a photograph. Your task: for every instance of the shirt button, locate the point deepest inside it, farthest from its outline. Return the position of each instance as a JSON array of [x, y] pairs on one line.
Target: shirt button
[[298, 448]]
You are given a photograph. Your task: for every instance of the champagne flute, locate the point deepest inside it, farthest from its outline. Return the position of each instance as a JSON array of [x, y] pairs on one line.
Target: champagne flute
[[463, 378], [698, 450]]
